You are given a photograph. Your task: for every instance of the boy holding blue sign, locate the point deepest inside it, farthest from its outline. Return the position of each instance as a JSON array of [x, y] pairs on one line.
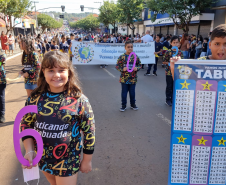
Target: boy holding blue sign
[[128, 79], [166, 60], [217, 46]]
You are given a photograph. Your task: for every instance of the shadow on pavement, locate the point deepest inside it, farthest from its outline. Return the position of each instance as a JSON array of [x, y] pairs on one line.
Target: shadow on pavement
[[22, 98], [6, 124]]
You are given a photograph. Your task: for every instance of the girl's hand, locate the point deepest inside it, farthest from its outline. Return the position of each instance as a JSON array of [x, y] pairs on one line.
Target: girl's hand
[[25, 75], [173, 60], [85, 166], [30, 156], [125, 69], [135, 69]]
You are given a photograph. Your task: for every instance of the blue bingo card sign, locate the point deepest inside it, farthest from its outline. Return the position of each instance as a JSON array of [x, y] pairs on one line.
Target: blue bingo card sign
[[198, 129]]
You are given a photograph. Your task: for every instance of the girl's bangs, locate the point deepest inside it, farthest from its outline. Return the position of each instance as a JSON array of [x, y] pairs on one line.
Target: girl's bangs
[[54, 61]]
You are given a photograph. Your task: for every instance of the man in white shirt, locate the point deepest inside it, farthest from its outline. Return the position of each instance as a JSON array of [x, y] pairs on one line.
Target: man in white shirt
[[147, 37]]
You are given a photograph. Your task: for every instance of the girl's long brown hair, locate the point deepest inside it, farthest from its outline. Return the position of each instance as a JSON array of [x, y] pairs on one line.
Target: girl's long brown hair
[[30, 49], [53, 59]]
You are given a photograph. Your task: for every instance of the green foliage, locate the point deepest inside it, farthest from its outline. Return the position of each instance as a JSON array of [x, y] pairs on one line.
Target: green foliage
[[14, 8], [89, 22], [108, 13], [48, 22], [129, 10], [180, 11]]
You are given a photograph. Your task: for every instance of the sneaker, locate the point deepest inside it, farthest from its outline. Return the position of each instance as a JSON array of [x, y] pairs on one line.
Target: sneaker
[[101, 67], [123, 108], [154, 74], [2, 119], [134, 107], [168, 102], [147, 74]]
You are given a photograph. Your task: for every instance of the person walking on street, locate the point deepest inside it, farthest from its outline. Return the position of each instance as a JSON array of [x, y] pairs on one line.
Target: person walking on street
[[158, 50], [185, 45], [4, 41], [2, 87], [31, 65], [11, 43]]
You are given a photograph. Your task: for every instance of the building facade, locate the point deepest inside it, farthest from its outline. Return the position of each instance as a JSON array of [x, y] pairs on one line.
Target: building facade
[[199, 25]]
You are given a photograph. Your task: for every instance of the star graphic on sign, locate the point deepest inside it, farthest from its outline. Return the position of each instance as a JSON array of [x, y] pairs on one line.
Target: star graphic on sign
[[221, 142], [206, 85], [224, 86], [181, 139], [202, 141], [185, 85]]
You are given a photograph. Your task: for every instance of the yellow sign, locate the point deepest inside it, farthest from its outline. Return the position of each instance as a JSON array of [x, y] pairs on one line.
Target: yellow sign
[[27, 23]]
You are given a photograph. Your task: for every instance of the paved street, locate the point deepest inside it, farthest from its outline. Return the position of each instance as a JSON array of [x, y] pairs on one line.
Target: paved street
[[132, 147]]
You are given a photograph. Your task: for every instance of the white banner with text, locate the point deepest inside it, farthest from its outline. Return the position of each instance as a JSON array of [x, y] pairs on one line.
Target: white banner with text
[[89, 53]]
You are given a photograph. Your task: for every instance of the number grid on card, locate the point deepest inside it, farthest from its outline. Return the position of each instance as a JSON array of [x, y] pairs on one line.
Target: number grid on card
[[204, 111], [220, 123], [180, 163], [183, 110]]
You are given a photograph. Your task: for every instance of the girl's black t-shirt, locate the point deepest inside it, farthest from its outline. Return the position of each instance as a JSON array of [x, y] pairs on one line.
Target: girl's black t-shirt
[[60, 121]]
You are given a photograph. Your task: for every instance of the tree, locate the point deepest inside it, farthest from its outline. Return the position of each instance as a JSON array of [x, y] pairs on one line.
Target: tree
[[13, 9], [180, 11], [108, 13], [47, 22], [89, 22], [128, 11]]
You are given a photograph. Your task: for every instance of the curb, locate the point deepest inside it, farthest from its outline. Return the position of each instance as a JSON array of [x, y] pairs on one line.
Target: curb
[[8, 58]]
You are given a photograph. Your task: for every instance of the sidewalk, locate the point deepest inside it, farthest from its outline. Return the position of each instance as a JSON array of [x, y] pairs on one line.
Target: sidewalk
[[11, 171]]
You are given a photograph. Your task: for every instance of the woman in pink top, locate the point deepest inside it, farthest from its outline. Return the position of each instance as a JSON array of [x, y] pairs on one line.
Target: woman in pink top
[[11, 43]]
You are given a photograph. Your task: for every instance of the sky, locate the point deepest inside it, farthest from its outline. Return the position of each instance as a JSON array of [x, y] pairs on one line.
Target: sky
[[71, 6]]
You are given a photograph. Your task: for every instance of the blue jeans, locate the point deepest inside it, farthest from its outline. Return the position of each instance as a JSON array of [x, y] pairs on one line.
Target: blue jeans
[[185, 54], [125, 89], [197, 53], [30, 86], [155, 66]]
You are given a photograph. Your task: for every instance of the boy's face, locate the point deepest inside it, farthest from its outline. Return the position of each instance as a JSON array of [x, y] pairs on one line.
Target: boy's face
[[129, 48], [157, 39], [218, 48]]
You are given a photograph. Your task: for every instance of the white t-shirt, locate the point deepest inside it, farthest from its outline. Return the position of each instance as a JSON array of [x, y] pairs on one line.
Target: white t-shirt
[[49, 39], [147, 38]]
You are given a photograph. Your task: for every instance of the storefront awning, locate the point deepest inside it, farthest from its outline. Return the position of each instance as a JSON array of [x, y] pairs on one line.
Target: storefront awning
[[169, 24], [169, 21]]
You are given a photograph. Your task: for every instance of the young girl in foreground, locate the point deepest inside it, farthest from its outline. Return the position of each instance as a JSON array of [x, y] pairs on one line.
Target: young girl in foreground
[[62, 112]]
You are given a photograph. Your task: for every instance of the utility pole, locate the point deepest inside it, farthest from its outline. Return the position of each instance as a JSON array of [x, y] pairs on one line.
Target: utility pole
[[36, 14]]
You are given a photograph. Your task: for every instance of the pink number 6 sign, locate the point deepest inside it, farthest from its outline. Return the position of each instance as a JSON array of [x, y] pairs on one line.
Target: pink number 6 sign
[[134, 62], [30, 132]]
